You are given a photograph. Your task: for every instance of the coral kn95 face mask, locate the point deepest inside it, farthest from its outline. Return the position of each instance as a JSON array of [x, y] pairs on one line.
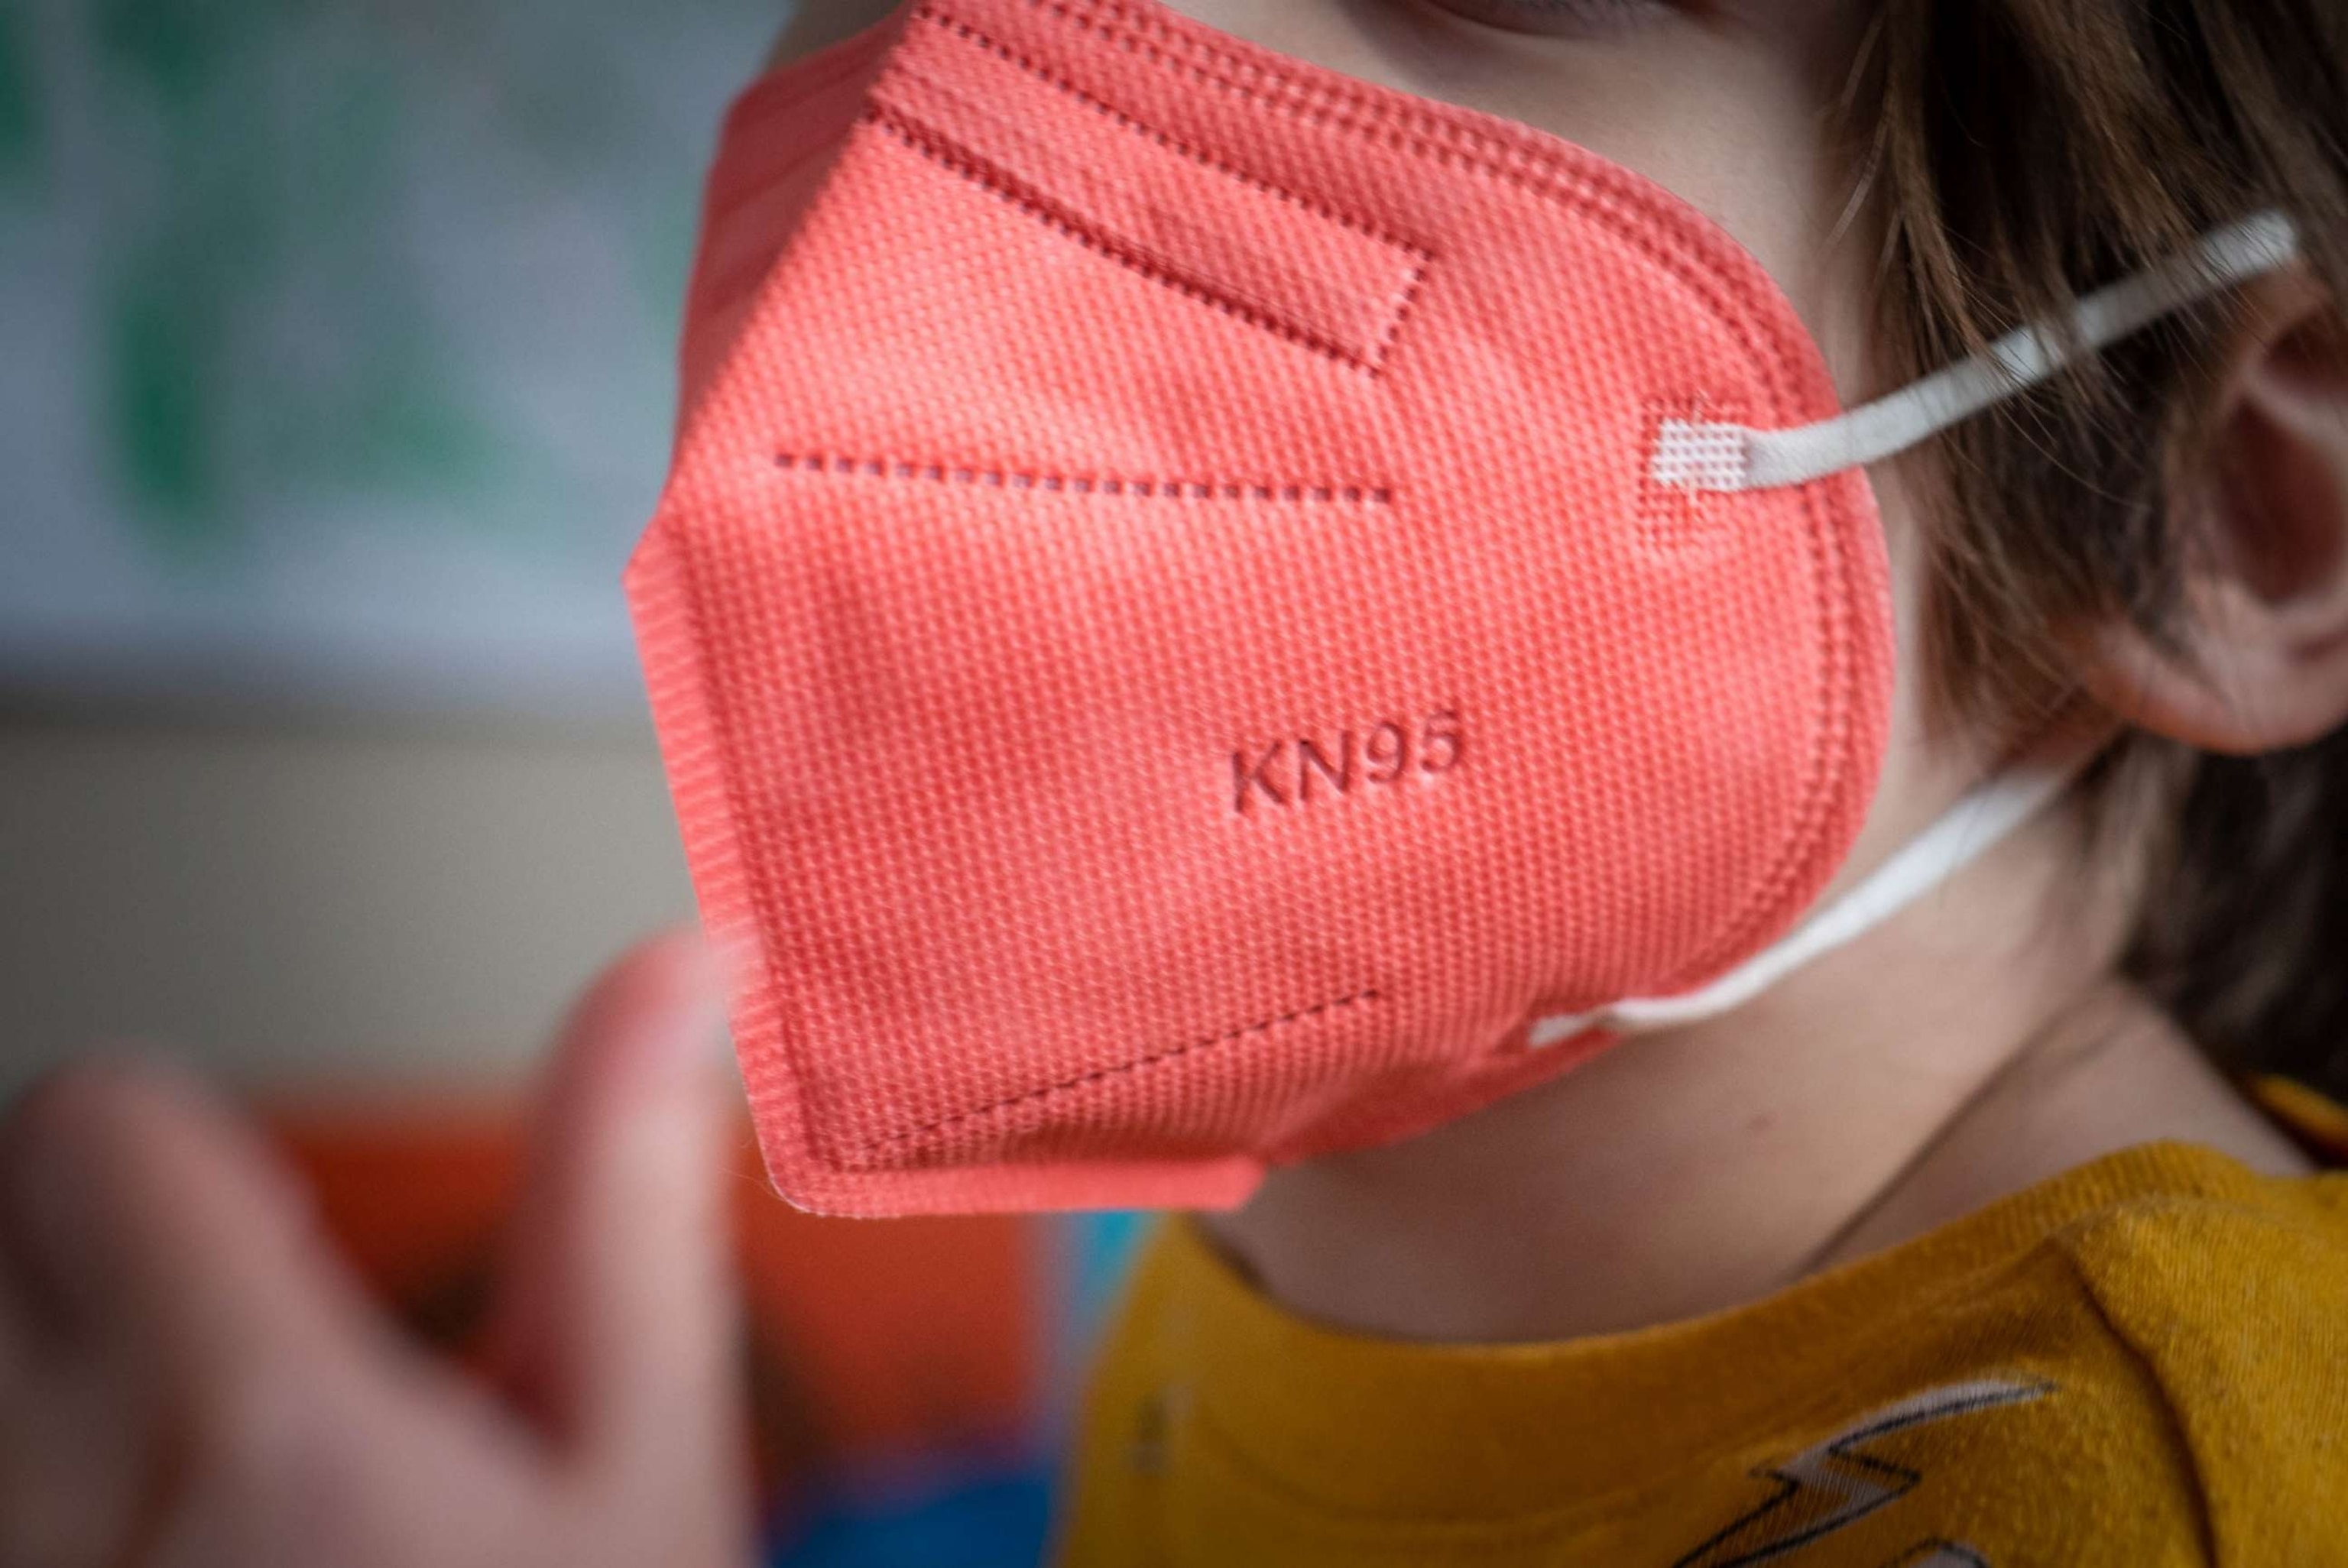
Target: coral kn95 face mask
[[1209, 612]]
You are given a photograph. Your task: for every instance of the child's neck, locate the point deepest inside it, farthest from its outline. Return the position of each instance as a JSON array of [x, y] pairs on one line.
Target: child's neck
[[1972, 1047]]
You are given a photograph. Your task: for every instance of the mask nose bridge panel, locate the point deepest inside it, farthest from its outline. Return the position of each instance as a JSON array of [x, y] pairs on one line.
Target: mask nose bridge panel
[[1227, 238]]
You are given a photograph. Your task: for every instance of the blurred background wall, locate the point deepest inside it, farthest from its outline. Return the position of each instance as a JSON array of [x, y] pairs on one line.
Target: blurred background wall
[[312, 907], [338, 335], [336, 385]]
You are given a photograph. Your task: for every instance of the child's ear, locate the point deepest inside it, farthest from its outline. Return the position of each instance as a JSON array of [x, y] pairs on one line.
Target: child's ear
[[2260, 661]]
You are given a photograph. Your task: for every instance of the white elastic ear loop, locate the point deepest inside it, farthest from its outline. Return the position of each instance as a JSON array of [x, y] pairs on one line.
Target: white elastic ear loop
[[1984, 818], [1699, 455]]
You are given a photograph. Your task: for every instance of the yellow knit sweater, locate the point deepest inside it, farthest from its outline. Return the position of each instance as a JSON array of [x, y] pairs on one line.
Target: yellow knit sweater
[[2144, 1361]]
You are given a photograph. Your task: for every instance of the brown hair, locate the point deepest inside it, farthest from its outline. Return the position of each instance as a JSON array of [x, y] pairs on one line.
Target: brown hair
[[2012, 152]]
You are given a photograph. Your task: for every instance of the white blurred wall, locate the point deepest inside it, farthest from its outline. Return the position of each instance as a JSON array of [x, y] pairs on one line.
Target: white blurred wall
[[319, 908]]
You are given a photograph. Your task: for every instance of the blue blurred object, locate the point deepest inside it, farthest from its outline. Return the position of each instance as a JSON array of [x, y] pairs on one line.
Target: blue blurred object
[[1102, 1248], [970, 1519], [972, 1512]]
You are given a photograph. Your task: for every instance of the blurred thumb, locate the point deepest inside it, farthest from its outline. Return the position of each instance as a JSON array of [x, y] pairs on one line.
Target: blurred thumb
[[615, 1325], [149, 1217]]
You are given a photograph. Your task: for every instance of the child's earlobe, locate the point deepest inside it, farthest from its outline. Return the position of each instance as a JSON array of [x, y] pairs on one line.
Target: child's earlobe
[[2258, 660]]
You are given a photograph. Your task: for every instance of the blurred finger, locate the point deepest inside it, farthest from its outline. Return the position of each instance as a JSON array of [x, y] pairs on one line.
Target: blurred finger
[[167, 1274], [155, 1223], [617, 1318], [20, 1328]]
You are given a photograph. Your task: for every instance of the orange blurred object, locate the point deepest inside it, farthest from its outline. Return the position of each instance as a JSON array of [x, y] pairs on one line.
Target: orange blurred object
[[866, 1340]]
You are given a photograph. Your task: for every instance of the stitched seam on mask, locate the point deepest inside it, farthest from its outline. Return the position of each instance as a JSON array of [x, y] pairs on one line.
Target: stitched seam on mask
[[951, 156], [1420, 255], [1084, 1080], [1605, 197], [1364, 119], [1595, 191], [1084, 484], [1598, 187], [971, 33]]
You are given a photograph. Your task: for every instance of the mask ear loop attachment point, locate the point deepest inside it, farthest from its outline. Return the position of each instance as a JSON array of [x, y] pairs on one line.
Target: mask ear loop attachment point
[[1706, 456], [1702, 456]]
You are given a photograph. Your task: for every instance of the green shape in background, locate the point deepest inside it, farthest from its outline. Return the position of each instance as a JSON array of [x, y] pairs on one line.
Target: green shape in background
[[265, 193], [179, 45], [161, 345], [20, 126]]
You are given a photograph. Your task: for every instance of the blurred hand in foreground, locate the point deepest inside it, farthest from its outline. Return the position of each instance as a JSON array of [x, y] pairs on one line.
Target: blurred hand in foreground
[[189, 1377]]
